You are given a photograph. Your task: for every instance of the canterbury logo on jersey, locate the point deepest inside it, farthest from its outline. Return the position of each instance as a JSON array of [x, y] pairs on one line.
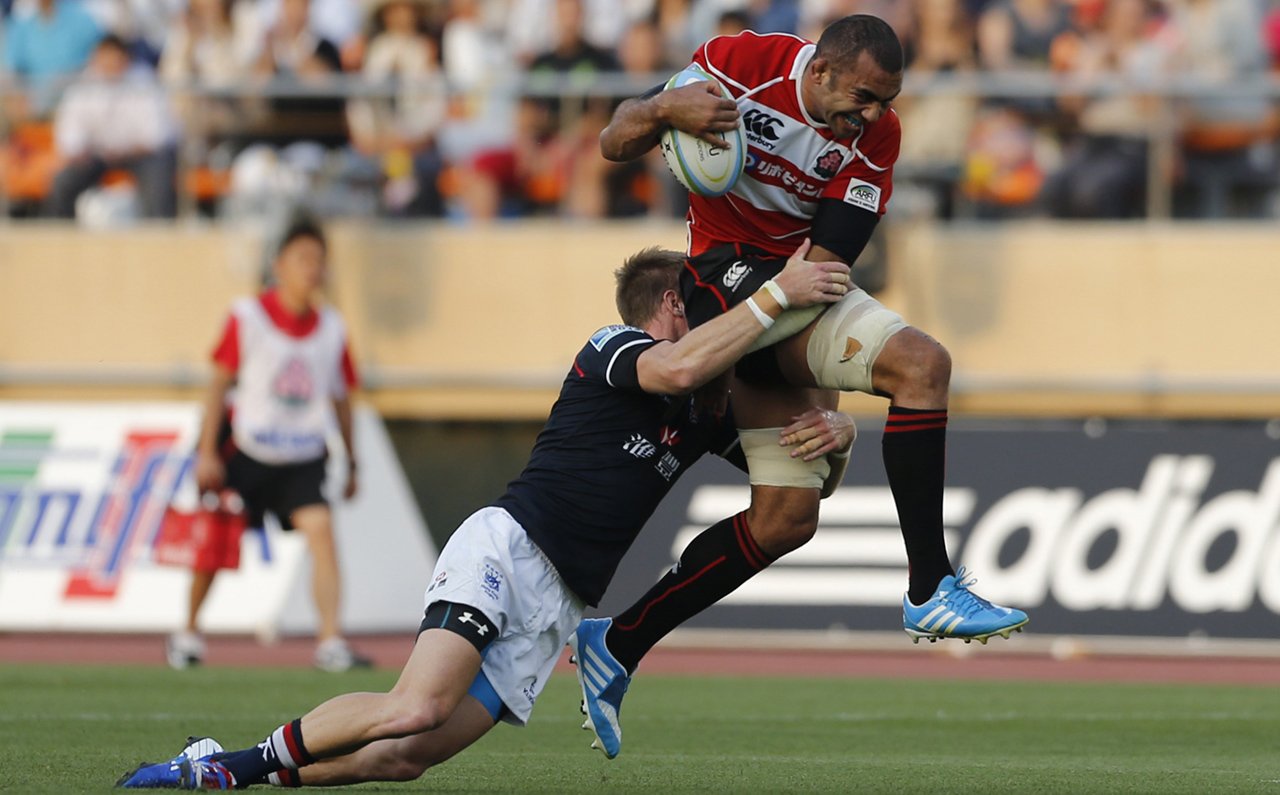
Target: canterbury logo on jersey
[[733, 276], [761, 127]]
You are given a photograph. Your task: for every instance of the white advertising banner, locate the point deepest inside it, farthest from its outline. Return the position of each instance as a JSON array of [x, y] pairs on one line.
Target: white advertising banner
[[83, 493]]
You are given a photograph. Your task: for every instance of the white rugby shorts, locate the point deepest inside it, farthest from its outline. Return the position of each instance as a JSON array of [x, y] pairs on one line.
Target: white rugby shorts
[[490, 564]]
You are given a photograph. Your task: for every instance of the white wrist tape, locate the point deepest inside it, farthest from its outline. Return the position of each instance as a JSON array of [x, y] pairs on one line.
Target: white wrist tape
[[777, 293], [764, 319]]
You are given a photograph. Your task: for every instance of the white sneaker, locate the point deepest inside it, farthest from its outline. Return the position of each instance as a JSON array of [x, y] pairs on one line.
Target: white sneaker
[[184, 649], [335, 656]]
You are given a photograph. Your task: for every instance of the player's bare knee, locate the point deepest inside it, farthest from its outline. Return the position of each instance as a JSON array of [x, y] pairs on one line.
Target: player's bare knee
[[791, 533], [917, 369], [783, 521]]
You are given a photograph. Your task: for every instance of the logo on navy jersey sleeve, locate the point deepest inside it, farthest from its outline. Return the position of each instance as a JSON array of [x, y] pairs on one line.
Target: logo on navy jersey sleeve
[[601, 338]]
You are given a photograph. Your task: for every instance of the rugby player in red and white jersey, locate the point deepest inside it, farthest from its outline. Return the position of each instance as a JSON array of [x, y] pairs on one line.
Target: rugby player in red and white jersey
[[292, 371], [823, 141]]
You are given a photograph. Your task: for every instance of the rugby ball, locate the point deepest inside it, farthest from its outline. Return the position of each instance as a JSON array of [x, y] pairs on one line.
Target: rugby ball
[[702, 168]]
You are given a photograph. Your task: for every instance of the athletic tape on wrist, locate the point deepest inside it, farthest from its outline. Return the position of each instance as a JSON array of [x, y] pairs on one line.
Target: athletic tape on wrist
[[760, 314], [777, 293]]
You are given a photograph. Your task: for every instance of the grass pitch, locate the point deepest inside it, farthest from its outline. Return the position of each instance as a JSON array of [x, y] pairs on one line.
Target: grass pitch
[[75, 729]]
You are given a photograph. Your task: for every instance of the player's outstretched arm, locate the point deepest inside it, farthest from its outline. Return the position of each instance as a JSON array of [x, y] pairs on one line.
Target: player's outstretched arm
[[672, 368], [697, 109]]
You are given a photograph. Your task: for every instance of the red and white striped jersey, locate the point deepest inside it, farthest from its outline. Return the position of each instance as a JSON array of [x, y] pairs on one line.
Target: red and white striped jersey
[[289, 369], [793, 160]]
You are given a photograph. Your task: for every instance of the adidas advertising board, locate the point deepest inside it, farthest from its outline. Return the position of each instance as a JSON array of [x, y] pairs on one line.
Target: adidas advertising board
[[1136, 529], [83, 493]]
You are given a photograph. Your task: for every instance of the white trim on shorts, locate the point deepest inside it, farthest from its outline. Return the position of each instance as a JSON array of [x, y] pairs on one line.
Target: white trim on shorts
[[491, 564]]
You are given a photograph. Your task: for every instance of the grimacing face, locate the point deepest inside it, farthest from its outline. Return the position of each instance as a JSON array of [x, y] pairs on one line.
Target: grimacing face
[[851, 98]]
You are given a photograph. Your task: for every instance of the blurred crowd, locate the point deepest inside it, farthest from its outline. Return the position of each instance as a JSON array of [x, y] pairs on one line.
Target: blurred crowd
[[478, 109]]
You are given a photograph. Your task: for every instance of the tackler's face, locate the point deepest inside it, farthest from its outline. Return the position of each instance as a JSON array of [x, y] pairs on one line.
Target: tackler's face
[[853, 97]]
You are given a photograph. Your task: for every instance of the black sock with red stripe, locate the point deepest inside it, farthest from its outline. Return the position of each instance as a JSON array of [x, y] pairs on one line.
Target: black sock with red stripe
[[915, 459], [721, 558], [282, 750]]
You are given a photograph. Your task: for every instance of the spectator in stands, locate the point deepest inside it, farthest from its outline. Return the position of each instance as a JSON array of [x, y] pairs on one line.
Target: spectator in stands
[[731, 23], [534, 26], [1020, 34], [292, 54], [468, 50], [144, 24], [207, 48], [1104, 173], [1230, 162], [203, 47], [293, 49], [642, 186], [115, 118], [335, 21], [1271, 34], [51, 42], [932, 150], [552, 163], [1006, 157], [571, 56], [398, 132], [815, 15]]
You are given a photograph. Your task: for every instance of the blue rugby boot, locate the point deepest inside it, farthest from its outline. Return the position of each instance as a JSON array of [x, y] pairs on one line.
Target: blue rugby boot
[[181, 772], [604, 682], [954, 611]]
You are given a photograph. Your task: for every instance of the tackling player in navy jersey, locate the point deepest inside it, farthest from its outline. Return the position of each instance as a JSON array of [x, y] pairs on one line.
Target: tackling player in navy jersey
[[510, 586]]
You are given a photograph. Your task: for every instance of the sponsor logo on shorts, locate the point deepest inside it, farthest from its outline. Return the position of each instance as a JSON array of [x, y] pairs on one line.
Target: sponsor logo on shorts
[[828, 163], [863, 194], [482, 629], [491, 581], [640, 447], [668, 465], [851, 348], [734, 276]]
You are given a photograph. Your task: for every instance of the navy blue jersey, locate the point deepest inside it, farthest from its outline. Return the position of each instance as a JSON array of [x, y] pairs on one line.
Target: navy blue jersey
[[608, 455]]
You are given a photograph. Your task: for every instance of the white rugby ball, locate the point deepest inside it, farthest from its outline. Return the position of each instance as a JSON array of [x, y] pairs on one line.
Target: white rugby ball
[[702, 168]]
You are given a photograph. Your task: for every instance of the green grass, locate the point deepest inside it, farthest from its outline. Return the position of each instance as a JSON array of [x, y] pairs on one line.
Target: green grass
[[75, 729]]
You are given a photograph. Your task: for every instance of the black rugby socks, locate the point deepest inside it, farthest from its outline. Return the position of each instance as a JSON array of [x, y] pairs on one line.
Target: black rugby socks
[[915, 459], [715, 563]]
